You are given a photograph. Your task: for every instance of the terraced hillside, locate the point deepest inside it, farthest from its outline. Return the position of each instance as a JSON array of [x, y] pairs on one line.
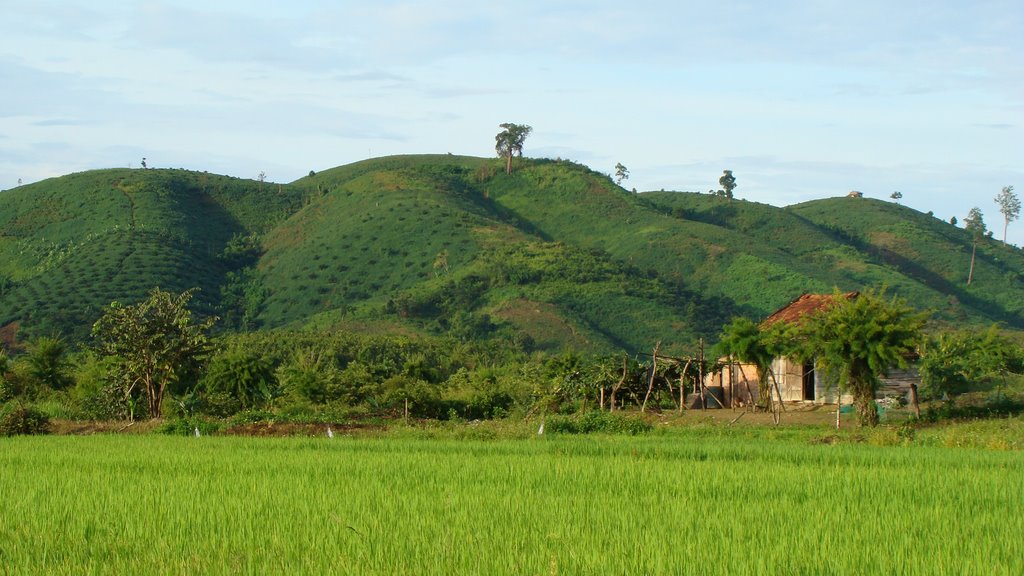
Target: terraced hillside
[[552, 256], [71, 245]]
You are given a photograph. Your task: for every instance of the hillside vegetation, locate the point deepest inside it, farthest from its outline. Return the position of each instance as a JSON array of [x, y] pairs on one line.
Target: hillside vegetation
[[554, 256]]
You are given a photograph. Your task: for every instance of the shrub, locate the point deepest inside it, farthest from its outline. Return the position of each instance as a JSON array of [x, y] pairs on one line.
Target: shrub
[[16, 419], [188, 426], [593, 422], [246, 377]]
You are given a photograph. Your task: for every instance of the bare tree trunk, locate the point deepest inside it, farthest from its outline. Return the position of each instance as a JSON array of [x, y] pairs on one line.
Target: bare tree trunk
[[682, 387], [777, 391], [914, 400], [508, 164], [654, 373], [974, 250], [615, 389]]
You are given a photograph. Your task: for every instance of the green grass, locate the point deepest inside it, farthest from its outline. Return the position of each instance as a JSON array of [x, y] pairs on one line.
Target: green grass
[[660, 504]]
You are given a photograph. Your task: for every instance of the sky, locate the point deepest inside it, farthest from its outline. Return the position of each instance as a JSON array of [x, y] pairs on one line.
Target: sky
[[800, 99]]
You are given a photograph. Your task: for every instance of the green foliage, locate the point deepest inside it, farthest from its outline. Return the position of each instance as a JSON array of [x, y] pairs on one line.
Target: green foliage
[[187, 426], [311, 375], [728, 183], [858, 340], [509, 142], [242, 375], [17, 419], [955, 362], [597, 422], [98, 393], [47, 362], [553, 257], [155, 343], [73, 244], [746, 342]]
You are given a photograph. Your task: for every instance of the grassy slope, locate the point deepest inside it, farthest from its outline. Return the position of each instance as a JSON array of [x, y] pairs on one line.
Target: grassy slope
[[554, 254], [71, 245], [580, 206], [932, 252], [829, 255], [416, 242]]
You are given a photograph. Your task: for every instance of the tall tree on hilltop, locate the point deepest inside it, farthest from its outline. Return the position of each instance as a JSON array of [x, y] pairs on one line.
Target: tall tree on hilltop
[[509, 142], [728, 183], [1009, 205], [975, 224], [621, 173]]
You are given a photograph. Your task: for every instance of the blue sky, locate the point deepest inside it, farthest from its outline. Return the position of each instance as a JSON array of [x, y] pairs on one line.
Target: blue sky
[[801, 100]]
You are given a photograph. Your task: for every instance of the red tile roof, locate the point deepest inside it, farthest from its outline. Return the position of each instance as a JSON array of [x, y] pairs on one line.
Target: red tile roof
[[805, 305]]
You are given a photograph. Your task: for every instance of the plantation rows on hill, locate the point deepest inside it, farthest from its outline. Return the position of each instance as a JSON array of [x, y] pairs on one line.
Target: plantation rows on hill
[[552, 256]]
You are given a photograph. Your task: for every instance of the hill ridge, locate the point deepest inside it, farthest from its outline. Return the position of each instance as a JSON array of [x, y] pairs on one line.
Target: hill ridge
[[451, 245]]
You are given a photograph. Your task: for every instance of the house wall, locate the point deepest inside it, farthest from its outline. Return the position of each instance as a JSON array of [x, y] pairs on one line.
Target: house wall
[[790, 375], [735, 381]]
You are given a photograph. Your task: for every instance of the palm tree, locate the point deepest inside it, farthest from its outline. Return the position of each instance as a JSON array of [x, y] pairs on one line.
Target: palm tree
[[860, 339]]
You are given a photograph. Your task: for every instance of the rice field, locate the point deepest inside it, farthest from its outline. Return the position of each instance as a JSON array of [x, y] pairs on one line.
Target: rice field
[[680, 503]]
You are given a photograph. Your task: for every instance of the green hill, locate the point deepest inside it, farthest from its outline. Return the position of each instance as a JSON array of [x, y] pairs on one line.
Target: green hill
[[554, 255], [71, 245]]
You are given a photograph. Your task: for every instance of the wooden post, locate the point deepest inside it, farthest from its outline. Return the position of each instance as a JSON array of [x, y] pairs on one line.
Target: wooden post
[[700, 374], [654, 373], [671, 392], [732, 385], [407, 409], [750, 394], [682, 389], [778, 392]]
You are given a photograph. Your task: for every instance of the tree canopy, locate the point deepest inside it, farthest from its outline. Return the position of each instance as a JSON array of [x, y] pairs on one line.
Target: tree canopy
[[1009, 205], [509, 142], [728, 183], [747, 342], [154, 343], [621, 173], [860, 339]]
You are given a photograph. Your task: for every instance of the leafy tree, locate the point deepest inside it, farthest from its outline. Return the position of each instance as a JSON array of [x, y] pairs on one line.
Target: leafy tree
[[1009, 205], [243, 375], [858, 340], [621, 173], [728, 183], [154, 343], [48, 364], [952, 221], [896, 195], [745, 341], [975, 224], [955, 362], [509, 142]]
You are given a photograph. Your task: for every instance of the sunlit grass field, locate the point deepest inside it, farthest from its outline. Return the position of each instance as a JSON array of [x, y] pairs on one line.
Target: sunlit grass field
[[685, 502]]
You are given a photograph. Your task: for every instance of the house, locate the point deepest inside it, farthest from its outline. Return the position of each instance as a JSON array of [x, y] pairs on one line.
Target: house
[[801, 381]]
